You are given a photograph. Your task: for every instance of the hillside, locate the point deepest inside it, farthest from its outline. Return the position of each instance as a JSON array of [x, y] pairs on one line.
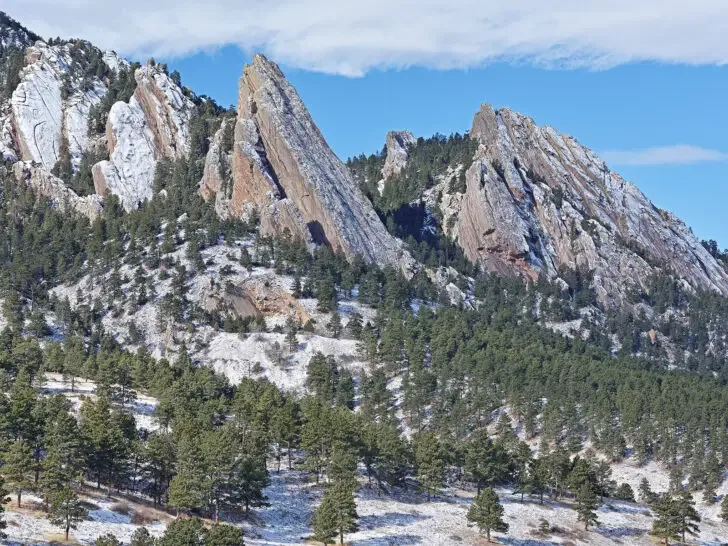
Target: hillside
[[212, 325]]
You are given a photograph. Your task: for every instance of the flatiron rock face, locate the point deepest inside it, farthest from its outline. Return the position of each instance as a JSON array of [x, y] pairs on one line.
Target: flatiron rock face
[[152, 125], [282, 166], [398, 143], [538, 201]]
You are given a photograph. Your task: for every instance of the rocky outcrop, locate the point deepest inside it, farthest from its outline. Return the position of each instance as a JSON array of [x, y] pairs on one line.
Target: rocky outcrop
[[55, 190], [282, 165], [398, 143], [152, 125], [49, 108], [538, 201]]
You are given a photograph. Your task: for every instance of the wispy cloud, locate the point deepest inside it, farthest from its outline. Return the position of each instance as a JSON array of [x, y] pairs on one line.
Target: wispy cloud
[[355, 36], [664, 155]]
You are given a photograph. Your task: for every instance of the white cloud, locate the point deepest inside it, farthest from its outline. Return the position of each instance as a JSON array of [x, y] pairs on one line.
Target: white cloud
[[353, 36], [664, 155]]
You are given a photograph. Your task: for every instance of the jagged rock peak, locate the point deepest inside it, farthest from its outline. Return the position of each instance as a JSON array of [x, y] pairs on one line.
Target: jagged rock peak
[[398, 143], [537, 201], [281, 160], [152, 125], [56, 191]]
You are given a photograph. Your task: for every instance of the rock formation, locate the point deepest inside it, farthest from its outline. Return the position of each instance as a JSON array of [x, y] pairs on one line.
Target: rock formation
[[56, 191], [398, 143], [538, 201], [153, 124], [282, 165], [50, 106]]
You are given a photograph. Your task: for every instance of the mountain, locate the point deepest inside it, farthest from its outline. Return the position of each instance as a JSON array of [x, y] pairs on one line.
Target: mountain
[[203, 311], [537, 202]]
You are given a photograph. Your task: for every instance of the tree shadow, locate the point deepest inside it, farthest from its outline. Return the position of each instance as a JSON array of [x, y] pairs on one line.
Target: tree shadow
[[393, 540], [395, 519]]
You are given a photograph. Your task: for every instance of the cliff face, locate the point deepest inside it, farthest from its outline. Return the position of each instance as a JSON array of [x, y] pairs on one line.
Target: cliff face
[[282, 165], [537, 201], [153, 124], [50, 106]]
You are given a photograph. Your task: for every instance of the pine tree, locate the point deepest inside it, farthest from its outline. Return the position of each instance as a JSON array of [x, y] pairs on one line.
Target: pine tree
[[334, 325], [667, 521], [724, 508], [189, 489], [107, 540], [688, 516], [19, 468], [587, 503], [430, 460], [646, 494], [224, 535], [142, 537], [3, 500], [336, 515], [184, 532], [487, 513], [65, 509]]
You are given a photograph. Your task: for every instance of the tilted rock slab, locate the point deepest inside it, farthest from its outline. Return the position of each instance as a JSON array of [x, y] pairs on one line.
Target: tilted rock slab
[[154, 124], [537, 200], [282, 165]]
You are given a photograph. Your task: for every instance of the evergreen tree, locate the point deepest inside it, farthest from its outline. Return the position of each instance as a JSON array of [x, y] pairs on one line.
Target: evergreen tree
[[430, 461], [65, 509], [667, 521], [487, 513], [224, 535], [107, 540], [142, 537], [19, 468], [688, 516], [184, 532], [336, 515], [724, 509], [587, 503], [334, 325]]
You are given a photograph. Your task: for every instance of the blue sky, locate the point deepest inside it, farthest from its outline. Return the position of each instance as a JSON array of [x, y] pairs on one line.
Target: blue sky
[[643, 82], [629, 107]]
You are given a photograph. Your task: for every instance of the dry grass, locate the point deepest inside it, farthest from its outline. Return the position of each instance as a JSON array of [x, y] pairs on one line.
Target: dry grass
[[121, 508], [143, 516]]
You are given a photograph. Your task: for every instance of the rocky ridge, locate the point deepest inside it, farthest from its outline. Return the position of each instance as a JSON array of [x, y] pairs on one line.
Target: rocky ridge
[[537, 202]]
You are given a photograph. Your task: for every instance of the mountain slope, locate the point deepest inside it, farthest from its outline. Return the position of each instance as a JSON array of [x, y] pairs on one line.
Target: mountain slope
[[535, 202]]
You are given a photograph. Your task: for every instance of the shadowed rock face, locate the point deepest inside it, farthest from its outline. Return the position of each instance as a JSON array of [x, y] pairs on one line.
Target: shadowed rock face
[[537, 201], [282, 165]]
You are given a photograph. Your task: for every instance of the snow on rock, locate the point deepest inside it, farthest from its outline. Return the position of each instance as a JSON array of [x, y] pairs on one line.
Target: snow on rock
[[55, 190], [129, 171], [154, 124], [275, 127], [50, 104]]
